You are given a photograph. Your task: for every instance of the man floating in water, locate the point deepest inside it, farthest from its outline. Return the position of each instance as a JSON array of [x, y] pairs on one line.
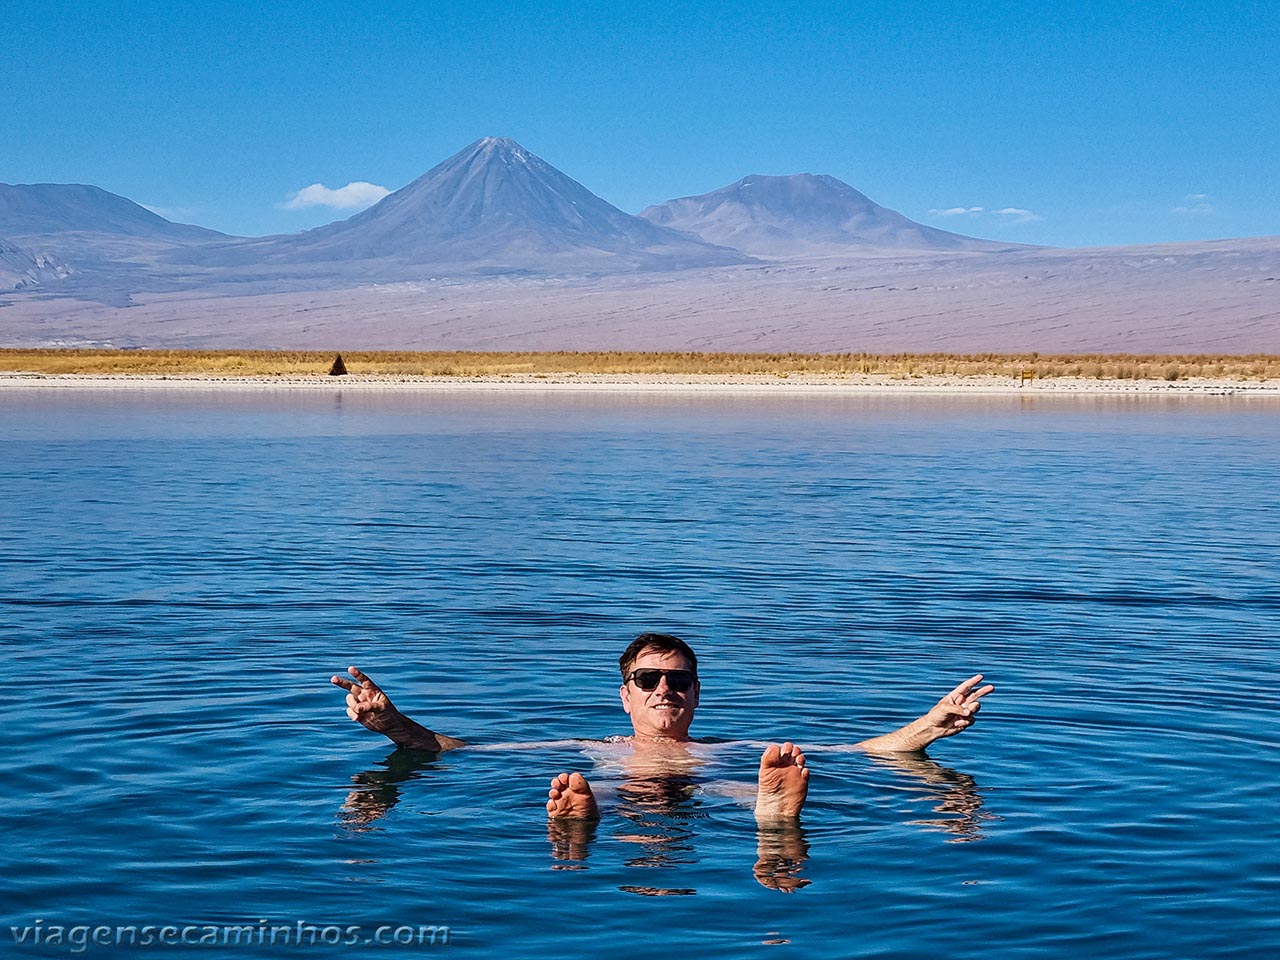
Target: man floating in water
[[660, 693]]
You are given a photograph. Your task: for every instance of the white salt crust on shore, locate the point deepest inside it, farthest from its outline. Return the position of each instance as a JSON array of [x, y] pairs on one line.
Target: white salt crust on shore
[[794, 384]]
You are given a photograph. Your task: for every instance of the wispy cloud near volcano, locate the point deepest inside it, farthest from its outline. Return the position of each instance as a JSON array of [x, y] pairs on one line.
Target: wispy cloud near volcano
[[354, 196]]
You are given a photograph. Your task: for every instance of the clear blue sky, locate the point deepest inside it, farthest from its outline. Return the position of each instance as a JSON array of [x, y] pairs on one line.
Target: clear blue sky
[[1102, 122]]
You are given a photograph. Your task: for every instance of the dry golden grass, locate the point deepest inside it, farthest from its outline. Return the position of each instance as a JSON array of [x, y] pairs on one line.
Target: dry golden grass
[[264, 363]]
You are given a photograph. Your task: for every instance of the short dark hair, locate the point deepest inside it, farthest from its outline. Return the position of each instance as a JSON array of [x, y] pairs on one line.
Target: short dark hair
[[662, 642]]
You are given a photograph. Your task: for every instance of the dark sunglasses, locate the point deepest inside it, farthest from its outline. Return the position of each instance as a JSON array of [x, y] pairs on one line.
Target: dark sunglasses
[[677, 680]]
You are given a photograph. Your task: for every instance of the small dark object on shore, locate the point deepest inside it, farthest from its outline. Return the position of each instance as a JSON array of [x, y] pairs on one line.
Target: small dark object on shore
[[339, 369]]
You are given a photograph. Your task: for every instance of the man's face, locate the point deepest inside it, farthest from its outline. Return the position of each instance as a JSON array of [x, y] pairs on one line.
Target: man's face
[[660, 712]]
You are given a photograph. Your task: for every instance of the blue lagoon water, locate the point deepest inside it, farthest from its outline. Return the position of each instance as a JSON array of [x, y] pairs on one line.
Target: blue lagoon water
[[181, 572]]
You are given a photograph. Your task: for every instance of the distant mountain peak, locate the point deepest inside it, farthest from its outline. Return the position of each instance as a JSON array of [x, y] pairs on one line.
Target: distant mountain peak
[[495, 150], [51, 208], [496, 207], [802, 214], [769, 178], [501, 145]]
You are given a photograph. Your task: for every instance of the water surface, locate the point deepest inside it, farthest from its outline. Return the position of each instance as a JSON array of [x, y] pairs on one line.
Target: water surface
[[181, 573]]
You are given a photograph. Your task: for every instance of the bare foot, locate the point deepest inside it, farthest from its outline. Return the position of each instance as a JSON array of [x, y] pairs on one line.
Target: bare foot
[[571, 798], [784, 783]]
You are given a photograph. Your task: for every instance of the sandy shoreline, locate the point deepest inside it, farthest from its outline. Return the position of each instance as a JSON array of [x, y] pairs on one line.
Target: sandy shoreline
[[794, 384]]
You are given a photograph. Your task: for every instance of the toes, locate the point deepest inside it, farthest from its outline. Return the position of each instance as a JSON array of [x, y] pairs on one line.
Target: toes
[[786, 755]]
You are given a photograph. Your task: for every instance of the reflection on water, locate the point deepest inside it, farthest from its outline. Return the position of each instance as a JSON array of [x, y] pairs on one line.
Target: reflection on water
[[662, 809], [657, 891], [375, 792], [659, 811], [953, 794], [570, 841], [781, 853]]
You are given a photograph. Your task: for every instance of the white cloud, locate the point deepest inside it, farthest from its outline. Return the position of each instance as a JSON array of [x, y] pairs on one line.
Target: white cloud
[[1006, 214], [1195, 205], [1018, 215], [354, 196]]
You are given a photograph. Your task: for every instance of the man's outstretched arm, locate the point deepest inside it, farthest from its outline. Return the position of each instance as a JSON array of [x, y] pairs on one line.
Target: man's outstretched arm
[[373, 709], [954, 713]]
